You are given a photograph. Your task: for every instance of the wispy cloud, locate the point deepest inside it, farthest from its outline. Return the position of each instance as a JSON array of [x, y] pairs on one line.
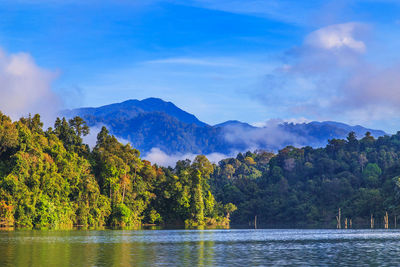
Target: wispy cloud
[[194, 61], [210, 87], [279, 121], [280, 10]]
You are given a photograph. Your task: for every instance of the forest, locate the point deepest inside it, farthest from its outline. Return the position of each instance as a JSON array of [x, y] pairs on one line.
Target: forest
[[51, 179], [306, 187]]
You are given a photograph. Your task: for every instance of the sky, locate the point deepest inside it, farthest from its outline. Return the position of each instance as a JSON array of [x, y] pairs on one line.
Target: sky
[[251, 60]]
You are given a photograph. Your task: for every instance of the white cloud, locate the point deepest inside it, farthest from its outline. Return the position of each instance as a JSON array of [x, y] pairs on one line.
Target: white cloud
[[334, 76], [258, 124], [25, 87], [322, 80], [339, 36], [271, 136], [91, 138], [161, 158]]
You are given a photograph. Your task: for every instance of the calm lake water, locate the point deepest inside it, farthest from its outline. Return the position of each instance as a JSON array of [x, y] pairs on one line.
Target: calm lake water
[[236, 247]]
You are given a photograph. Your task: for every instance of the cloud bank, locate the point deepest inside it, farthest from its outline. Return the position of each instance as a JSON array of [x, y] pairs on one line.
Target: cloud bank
[[25, 87], [159, 157], [332, 76], [269, 136]]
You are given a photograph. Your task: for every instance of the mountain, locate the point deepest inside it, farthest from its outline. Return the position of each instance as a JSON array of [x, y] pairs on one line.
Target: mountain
[[343, 128], [317, 133], [234, 123], [132, 108], [154, 123]]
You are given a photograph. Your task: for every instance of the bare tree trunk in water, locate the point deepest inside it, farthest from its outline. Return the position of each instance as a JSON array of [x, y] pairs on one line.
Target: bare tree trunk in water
[[338, 219], [372, 221]]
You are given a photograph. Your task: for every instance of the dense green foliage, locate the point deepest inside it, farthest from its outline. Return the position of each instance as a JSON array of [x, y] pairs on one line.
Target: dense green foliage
[[306, 186], [50, 179]]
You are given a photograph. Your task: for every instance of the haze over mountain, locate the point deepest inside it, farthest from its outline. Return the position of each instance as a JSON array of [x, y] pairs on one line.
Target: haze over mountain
[[153, 123]]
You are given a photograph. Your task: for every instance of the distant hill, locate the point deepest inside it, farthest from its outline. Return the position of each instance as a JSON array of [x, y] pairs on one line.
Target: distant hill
[[318, 133], [152, 122], [132, 108], [234, 123]]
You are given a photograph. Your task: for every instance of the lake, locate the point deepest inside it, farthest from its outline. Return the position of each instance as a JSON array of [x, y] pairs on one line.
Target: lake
[[234, 247]]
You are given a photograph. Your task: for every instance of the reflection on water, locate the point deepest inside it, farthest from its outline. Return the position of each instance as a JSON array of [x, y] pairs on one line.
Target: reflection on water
[[199, 247]]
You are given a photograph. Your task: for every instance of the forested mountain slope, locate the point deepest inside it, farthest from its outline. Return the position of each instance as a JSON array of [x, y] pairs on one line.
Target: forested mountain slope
[[152, 122]]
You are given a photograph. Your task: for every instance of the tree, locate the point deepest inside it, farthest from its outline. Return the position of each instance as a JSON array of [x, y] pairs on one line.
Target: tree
[[352, 141], [197, 202], [33, 123], [249, 161], [202, 164], [229, 208], [229, 170], [79, 126], [102, 136], [371, 174], [8, 134], [52, 180]]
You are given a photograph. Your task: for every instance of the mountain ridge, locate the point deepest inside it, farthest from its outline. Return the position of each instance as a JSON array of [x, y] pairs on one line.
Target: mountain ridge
[[153, 122], [139, 106]]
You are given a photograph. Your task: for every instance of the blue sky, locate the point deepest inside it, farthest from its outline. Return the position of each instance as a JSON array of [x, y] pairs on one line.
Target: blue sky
[[218, 59]]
